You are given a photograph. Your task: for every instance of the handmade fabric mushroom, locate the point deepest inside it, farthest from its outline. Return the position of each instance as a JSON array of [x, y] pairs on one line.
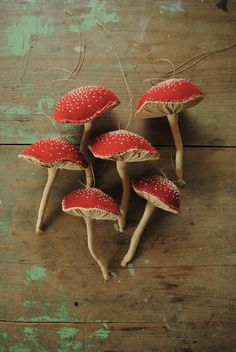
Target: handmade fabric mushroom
[[53, 154], [159, 192], [168, 98], [123, 146], [82, 106], [92, 204]]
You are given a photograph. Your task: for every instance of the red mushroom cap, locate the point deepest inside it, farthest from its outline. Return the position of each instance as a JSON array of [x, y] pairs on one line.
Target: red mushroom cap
[[159, 191], [168, 97], [55, 152], [84, 104], [91, 203], [123, 146]]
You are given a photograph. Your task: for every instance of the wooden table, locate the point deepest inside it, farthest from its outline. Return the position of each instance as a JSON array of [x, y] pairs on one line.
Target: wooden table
[[178, 294]]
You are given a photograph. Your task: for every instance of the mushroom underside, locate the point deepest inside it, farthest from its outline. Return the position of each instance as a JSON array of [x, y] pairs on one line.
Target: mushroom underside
[[132, 155], [162, 108], [92, 213], [60, 164]]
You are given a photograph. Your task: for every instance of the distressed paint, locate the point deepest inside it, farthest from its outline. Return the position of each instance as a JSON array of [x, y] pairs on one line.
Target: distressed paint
[[20, 33], [10, 109], [31, 339], [61, 313], [131, 269], [69, 346], [66, 332], [28, 304], [35, 273], [5, 231], [102, 333], [19, 347], [97, 13], [66, 344], [4, 335], [45, 103], [170, 6]]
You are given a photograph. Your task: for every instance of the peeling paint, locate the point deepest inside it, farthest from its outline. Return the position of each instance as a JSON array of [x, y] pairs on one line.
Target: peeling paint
[[4, 334], [20, 33], [66, 344], [67, 332], [35, 273], [61, 313], [170, 6], [97, 13], [19, 347], [5, 232], [102, 333], [10, 109], [45, 103], [131, 269]]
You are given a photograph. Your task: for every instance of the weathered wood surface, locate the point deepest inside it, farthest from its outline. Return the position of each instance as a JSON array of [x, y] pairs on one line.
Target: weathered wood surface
[[37, 36], [178, 294], [121, 337]]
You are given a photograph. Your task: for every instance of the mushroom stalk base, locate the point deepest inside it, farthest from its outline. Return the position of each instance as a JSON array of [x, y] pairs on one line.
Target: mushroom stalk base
[[123, 173], [174, 125], [138, 233], [101, 263], [52, 174]]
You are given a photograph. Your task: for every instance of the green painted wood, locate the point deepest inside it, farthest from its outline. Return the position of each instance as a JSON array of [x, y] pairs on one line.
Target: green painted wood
[[122, 337], [36, 38], [184, 268]]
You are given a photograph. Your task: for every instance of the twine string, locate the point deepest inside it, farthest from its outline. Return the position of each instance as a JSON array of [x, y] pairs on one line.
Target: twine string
[[180, 68], [130, 106]]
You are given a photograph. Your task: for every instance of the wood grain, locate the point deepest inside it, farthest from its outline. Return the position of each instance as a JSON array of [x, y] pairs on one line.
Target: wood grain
[[121, 337], [140, 34], [178, 294]]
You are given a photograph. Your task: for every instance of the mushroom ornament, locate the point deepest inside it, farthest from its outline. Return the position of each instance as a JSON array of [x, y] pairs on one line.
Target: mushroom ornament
[[91, 204], [159, 192], [123, 147], [168, 98], [53, 154], [82, 106]]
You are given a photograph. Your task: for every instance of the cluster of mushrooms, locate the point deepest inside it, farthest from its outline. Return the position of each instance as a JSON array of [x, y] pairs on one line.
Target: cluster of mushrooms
[[82, 106]]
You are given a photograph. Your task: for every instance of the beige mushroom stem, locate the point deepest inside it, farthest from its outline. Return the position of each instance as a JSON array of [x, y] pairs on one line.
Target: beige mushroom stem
[[52, 174], [84, 151], [85, 138], [123, 173], [174, 125], [101, 263], [138, 233]]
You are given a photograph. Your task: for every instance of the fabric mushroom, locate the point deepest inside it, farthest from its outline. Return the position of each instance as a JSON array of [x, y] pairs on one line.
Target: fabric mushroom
[[53, 154], [159, 192], [168, 98], [91, 204], [123, 146], [82, 106]]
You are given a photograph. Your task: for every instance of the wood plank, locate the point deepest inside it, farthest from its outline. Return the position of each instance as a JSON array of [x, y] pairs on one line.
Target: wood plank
[[140, 36], [186, 275], [48, 293], [107, 337], [203, 234]]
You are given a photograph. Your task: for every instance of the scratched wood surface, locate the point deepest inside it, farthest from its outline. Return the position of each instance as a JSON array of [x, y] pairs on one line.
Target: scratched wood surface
[[179, 292], [37, 36]]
